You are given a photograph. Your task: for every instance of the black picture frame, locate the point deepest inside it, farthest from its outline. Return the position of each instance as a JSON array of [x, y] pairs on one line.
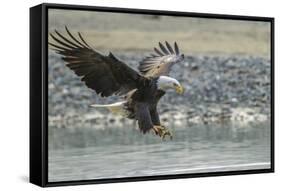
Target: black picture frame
[[39, 93]]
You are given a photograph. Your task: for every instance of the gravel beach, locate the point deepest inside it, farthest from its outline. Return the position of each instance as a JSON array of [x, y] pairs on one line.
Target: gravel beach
[[218, 89]]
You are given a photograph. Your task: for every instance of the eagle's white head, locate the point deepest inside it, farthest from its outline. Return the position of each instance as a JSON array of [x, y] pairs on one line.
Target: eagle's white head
[[165, 82]]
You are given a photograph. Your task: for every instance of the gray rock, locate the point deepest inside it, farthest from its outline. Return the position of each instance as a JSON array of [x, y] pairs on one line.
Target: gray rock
[[215, 87]]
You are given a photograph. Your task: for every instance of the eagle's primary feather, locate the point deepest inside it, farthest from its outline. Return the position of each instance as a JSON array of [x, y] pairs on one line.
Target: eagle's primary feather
[[105, 74], [157, 65], [108, 75]]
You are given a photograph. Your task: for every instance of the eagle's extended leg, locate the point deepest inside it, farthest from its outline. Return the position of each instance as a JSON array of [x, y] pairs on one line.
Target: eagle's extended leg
[[149, 119], [159, 129], [162, 131]]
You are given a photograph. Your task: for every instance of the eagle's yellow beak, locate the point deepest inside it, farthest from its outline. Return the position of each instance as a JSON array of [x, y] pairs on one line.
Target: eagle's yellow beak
[[179, 89]]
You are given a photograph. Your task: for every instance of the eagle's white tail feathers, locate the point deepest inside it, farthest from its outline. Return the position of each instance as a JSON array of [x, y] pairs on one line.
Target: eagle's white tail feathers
[[116, 108]]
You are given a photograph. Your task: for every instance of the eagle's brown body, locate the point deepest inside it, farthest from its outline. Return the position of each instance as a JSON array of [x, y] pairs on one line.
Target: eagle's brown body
[[144, 107]]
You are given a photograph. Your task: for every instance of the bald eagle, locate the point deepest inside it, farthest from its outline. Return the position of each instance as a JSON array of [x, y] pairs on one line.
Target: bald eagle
[[107, 75]]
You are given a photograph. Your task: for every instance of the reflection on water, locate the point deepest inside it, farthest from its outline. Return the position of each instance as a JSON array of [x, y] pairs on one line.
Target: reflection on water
[[80, 154]]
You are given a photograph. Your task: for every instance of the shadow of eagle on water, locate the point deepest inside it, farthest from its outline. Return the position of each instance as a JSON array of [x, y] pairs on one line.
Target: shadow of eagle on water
[[107, 75]]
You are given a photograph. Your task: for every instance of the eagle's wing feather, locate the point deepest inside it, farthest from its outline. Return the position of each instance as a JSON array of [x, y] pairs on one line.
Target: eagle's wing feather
[[107, 75], [160, 64]]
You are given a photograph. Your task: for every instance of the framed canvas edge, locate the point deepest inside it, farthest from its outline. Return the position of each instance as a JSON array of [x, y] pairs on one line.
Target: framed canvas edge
[[44, 80], [36, 150], [156, 12]]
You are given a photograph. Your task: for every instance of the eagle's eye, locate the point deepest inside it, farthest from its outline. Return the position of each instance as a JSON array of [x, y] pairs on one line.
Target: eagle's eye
[[174, 84]]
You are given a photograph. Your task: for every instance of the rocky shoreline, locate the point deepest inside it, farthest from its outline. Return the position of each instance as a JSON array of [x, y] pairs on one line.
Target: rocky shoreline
[[218, 89]]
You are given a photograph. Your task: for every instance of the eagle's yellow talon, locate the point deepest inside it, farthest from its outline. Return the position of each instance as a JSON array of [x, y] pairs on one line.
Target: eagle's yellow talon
[[162, 131]]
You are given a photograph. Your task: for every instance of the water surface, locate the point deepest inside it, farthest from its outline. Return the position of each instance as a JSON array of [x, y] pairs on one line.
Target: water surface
[[81, 154]]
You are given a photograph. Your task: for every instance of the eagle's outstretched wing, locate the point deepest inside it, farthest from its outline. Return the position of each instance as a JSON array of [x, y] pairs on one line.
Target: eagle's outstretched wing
[[105, 74], [160, 64]]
